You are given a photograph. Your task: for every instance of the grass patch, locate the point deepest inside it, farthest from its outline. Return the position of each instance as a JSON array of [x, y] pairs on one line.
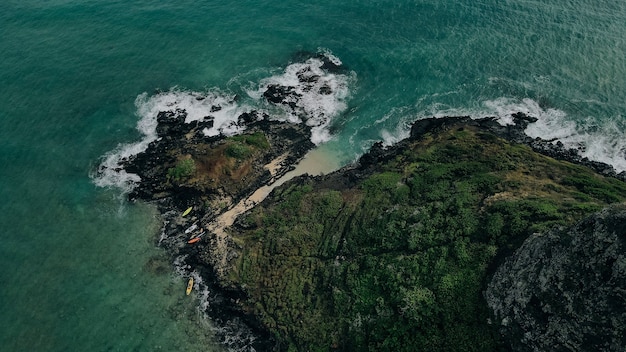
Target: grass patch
[[241, 147], [185, 168]]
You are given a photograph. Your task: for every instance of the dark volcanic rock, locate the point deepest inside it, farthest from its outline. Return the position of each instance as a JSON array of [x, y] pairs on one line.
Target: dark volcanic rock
[[171, 123], [278, 94], [566, 290]]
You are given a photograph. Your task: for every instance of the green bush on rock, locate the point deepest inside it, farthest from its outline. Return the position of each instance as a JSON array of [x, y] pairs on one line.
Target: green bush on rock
[[183, 169], [243, 146]]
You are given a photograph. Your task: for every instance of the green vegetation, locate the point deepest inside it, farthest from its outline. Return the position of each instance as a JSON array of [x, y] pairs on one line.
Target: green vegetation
[[184, 168], [399, 262], [243, 146]]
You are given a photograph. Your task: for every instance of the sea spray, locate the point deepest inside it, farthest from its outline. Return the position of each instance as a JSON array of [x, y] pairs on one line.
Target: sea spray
[[318, 96], [606, 143]]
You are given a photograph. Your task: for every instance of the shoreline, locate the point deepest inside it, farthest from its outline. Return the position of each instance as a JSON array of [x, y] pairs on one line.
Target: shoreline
[[288, 157], [317, 162], [220, 177]]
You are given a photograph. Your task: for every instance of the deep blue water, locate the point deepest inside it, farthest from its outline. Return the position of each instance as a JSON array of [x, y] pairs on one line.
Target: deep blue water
[[80, 269]]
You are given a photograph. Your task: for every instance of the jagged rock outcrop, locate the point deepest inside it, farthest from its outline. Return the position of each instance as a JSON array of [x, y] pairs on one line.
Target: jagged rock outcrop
[[565, 290], [515, 134]]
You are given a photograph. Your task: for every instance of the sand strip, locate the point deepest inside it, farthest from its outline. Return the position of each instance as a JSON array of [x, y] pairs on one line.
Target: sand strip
[[316, 162]]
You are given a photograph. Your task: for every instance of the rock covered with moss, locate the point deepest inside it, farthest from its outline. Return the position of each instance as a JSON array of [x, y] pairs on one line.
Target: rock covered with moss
[[565, 289], [394, 253]]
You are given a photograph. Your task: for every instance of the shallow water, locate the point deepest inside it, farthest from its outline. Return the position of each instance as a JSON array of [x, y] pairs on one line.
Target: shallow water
[[80, 269]]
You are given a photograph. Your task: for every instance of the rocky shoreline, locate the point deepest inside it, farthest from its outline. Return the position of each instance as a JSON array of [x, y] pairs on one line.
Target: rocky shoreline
[[228, 170], [210, 198], [273, 149]]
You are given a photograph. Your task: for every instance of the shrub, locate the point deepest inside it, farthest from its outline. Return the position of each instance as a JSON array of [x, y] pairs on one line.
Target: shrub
[[242, 146], [183, 169], [238, 150]]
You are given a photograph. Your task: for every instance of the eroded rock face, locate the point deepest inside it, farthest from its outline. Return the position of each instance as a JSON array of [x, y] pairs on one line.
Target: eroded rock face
[[565, 290]]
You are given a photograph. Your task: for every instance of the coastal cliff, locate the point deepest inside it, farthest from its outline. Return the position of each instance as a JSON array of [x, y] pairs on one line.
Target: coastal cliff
[[394, 252], [564, 289]]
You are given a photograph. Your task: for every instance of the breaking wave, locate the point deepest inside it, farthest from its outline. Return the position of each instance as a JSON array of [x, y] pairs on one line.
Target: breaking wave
[[604, 142], [318, 96]]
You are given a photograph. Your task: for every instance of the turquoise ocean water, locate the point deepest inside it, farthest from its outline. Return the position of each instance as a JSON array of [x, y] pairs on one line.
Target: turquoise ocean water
[[79, 266]]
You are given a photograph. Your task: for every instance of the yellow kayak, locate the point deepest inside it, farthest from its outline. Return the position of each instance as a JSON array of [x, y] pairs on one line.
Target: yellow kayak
[[187, 211], [189, 286]]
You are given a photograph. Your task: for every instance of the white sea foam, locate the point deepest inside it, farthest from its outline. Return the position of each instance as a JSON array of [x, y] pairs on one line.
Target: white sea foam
[[235, 336], [200, 289], [198, 106], [604, 142], [330, 56], [401, 132], [110, 172], [321, 95]]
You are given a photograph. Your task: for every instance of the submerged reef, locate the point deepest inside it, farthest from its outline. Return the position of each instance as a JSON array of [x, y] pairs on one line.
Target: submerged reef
[[453, 239]]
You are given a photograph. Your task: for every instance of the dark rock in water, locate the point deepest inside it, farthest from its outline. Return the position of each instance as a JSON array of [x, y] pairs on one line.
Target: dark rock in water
[[307, 76], [327, 64], [171, 123], [248, 117], [325, 90], [277, 94], [566, 290], [375, 155]]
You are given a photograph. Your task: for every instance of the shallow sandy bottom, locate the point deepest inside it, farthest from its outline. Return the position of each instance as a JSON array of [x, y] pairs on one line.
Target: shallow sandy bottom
[[316, 162]]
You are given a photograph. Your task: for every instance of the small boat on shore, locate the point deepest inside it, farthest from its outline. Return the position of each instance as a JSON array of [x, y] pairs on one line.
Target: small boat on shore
[[187, 211], [192, 228], [189, 286], [194, 240]]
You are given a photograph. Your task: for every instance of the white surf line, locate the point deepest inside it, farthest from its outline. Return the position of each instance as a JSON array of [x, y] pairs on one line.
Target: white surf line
[[313, 164]]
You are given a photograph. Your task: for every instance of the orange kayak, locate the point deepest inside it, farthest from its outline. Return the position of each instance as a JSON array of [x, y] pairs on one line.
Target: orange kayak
[[193, 240]]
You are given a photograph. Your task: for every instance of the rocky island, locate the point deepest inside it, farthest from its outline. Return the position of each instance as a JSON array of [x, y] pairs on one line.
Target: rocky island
[[466, 236]]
